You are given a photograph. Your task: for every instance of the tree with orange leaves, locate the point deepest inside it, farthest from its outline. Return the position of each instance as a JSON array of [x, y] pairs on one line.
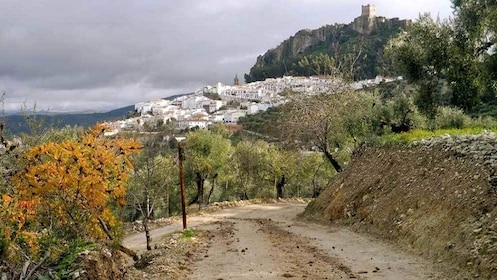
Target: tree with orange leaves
[[68, 190]]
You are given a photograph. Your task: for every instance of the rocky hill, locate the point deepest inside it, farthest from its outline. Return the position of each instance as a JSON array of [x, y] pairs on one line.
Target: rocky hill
[[437, 198], [366, 36]]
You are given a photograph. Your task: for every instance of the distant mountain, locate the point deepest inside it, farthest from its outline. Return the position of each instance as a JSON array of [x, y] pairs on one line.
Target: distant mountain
[[16, 124], [364, 38]]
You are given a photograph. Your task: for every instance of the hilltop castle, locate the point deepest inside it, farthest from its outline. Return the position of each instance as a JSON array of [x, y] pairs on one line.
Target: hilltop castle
[[368, 21]]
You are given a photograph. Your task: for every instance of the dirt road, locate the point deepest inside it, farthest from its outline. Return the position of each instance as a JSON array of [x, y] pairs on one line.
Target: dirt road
[[267, 241]]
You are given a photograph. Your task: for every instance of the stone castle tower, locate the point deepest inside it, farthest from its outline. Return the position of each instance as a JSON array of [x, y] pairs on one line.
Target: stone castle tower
[[369, 21], [368, 11], [366, 22]]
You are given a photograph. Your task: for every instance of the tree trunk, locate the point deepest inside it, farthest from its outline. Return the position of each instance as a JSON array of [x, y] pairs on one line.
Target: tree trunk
[[279, 187], [200, 190], [146, 218], [211, 190], [332, 160], [167, 202], [128, 252], [210, 194], [121, 248], [316, 190], [148, 238]]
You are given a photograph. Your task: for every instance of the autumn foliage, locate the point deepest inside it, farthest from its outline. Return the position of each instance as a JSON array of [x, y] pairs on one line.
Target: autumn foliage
[[68, 190]]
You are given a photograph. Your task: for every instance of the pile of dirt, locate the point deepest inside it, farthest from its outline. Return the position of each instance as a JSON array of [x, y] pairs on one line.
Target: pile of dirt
[[171, 257], [100, 264], [437, 198]]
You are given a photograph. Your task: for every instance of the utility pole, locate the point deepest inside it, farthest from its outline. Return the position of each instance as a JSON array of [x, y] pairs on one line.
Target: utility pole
[[182, 183]]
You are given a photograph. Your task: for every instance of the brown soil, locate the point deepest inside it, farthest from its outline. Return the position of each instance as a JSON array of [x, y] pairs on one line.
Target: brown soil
[[100, 264], [259, 248], [429, 199], [267, 241], [171, 257]]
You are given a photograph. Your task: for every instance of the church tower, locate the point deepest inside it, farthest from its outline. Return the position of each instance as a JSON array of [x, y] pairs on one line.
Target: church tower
[[236, 82]]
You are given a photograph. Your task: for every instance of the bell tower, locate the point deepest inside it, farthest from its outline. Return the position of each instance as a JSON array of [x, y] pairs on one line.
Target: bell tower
[[236, 82]]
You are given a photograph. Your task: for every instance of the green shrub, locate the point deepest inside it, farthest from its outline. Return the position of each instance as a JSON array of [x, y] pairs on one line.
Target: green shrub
[[485, 122], [67, 262], [398, 110], [448, 117]]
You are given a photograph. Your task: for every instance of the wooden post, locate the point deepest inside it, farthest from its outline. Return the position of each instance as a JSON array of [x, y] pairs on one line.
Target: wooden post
[[182, 183]]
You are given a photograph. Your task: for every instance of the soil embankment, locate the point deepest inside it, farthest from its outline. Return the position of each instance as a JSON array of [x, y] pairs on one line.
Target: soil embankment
[[436, 198]]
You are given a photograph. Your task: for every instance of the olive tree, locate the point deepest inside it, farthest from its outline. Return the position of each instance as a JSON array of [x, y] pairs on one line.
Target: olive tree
[[329, 122], [206, 156]]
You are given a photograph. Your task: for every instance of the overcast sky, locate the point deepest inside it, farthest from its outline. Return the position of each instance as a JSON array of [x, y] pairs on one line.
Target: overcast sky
[[69, 55]]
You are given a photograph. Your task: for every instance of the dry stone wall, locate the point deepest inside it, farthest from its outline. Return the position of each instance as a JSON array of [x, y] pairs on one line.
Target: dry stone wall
[[482, 148]]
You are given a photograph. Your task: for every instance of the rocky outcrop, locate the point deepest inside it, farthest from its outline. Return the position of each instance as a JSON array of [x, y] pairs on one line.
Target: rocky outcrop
[[298, 44], [371, 33], [436, 197]]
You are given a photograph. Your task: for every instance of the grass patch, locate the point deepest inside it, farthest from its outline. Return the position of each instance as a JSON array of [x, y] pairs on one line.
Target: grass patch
[[420, 134], [188, 234], [181, 236]]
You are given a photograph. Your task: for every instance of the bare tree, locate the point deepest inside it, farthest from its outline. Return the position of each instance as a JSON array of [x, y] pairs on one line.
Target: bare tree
[[327, 122]]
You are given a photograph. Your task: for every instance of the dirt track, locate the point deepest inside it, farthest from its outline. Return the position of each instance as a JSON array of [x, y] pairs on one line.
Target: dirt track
[[267, 241]]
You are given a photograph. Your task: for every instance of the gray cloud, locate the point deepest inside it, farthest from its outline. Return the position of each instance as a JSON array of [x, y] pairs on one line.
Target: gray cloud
[[78, 55]]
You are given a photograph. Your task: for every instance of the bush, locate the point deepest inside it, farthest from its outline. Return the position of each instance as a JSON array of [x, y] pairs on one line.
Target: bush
[[485, 122], [448, 117], [396, 111]]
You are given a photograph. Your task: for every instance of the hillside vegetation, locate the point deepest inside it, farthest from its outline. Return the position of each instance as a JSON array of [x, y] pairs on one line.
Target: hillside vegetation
[[339, 41]]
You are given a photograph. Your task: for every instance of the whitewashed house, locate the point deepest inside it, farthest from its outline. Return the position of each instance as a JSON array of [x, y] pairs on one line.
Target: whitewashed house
[[217, 117], [200, 120], [215, 105], [232, 116], [143, 107], [195, 102]]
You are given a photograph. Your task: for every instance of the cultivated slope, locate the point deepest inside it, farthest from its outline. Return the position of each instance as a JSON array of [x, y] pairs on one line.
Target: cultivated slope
[[437, 198]]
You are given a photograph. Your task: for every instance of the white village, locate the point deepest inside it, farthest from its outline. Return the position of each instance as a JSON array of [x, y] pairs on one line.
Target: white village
[[209, 104]]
